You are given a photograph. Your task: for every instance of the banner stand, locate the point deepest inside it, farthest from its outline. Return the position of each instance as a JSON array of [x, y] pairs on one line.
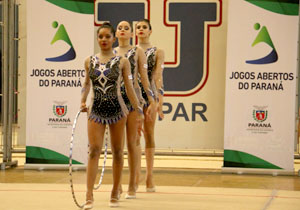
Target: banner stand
[[260, 171], [297, 101], [56, 51], [41, 167], [255, 139]]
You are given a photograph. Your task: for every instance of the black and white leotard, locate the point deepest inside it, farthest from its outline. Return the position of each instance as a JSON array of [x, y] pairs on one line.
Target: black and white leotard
[[107, 103]]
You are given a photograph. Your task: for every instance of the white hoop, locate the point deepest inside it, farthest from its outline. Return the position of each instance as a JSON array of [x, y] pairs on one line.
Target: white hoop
[[104, 160], [70, 161]]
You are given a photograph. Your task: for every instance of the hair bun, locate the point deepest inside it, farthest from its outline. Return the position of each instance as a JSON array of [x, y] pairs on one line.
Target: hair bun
[[107, 24]]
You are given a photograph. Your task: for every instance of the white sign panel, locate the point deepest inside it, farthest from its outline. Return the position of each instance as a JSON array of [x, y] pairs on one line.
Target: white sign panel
[[260, 87], [58, 41]]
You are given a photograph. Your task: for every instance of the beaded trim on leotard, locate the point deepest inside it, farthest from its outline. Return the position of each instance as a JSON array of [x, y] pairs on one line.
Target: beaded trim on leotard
[[130, 55], [150, 54], [134, 71], [108, 106]]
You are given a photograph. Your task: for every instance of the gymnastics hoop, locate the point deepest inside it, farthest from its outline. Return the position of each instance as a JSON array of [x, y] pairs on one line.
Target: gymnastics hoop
[[71, 165], [104, 160]]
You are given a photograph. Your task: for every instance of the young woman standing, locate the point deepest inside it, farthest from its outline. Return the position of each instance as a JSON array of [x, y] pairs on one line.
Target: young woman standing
[[137, 60], [155, 66], [105, 71]]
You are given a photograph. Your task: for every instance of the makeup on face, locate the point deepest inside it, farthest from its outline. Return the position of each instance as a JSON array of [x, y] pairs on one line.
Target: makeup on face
[[142, 29], [105, 38], [123, 29]]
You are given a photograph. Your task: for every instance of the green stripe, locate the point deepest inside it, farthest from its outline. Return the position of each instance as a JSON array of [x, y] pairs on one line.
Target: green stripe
[[43, 155], [79, 6], [284, 7], [233, 158]]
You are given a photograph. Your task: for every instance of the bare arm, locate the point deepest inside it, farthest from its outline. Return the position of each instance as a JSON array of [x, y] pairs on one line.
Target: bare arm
[[127, 77], [158, 79], [86, 85], [142, 69]]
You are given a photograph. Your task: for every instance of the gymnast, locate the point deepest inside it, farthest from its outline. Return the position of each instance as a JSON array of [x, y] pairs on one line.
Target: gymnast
[[106, 71], [137, 59], [155, 66]]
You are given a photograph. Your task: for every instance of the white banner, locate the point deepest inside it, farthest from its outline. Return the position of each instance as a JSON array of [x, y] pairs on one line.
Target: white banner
[[58, 41], [194, 66], [260, 87]]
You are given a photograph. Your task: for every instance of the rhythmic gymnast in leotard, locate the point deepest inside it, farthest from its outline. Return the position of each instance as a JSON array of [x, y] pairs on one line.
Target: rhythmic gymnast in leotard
[[155, 62], [106, 71], [137, 59]]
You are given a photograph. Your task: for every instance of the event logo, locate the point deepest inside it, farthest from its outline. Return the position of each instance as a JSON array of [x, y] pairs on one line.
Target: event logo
[[60, 120], [264, 36], [260, 115], [59, 109], [61, 34]]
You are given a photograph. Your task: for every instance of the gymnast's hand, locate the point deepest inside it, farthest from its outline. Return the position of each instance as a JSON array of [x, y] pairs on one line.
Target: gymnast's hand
[[150, 111], [159, 111], [83, 107]]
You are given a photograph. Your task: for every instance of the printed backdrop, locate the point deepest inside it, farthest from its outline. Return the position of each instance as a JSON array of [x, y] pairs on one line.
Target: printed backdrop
[[193, 34], [193, 78], [261, 84], [59, 38]]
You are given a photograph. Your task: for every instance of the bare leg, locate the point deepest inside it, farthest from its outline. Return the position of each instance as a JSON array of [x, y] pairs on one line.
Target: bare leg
[[117, 145], [131, 131], [95, 136], [149, 150], [149, 153], [138, 162], [120, 187]]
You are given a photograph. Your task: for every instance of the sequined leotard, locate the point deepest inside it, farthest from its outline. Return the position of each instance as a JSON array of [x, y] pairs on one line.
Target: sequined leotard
[[107, 104], [130, 55], [150, 54]]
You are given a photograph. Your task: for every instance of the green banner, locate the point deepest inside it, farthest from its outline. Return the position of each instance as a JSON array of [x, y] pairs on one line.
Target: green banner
[[284, 7], [84, 7]]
